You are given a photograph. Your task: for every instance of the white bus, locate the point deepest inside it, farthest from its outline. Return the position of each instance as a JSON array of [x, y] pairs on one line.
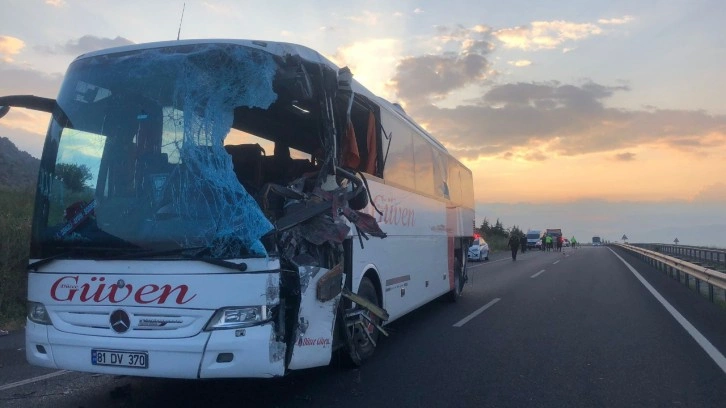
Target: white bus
[[230, 208]]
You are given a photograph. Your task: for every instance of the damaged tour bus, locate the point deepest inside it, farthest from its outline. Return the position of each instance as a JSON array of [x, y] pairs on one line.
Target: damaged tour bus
[[225, 208]]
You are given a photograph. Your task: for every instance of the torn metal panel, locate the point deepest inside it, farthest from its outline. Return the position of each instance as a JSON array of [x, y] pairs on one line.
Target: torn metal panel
[[307, 275], [272, 294], [313, 341], [278, 349]]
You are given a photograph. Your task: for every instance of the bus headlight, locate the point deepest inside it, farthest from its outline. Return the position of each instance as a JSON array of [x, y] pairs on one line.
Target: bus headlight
[[37, 313], [236, 317]]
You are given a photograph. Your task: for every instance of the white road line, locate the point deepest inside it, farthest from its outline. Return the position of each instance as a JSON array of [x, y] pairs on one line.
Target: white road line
[[32, 380], [487, 263], [555, 262], [537, 274], [706, 345], [476, 313]]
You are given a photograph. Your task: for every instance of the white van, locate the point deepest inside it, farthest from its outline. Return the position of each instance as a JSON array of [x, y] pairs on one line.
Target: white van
[[532, 237]]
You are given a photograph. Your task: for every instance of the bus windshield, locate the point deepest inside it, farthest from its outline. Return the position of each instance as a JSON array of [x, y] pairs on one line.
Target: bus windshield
[[139, 159]]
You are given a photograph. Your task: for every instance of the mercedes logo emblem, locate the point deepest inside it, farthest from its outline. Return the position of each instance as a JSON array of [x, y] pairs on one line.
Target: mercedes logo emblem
[[120, 321]]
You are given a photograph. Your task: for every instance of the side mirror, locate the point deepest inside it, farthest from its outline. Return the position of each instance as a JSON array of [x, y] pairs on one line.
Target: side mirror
[[33, 102], [26, 101]]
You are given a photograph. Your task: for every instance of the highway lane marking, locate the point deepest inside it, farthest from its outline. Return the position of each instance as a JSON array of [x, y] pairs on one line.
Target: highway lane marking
[[32, 380], [488, 263], [702, 341], [476, 313], [537, 274], [555, 262]]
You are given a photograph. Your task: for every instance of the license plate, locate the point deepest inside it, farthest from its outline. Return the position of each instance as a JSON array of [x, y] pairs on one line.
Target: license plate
[[117, 358]]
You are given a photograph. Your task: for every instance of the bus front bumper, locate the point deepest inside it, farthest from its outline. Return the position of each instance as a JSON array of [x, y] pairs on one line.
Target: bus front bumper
[[251, 352]]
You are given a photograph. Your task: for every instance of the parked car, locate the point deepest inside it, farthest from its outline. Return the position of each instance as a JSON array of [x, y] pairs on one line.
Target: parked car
[[479, 250]]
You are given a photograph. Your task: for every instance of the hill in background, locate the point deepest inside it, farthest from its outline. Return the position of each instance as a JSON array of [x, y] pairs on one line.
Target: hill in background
[[18, 169]]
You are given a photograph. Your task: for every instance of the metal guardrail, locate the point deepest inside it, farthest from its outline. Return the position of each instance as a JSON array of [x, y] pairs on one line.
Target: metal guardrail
[[703, 278], [713, 257]]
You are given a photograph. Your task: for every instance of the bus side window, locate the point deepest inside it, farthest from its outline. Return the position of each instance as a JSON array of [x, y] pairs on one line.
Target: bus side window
[[424, 165], [399, 164], [365, 130], [441, 175], [467, 190], [455, 182]]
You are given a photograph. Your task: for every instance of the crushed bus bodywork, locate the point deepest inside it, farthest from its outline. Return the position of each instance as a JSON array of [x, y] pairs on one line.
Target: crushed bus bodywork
[[167, 243]]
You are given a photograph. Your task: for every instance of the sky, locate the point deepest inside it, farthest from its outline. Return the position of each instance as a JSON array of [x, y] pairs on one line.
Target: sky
[[598, 117]]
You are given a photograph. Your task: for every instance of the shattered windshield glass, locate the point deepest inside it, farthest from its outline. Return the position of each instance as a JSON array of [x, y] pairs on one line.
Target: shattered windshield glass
[[141, 160]]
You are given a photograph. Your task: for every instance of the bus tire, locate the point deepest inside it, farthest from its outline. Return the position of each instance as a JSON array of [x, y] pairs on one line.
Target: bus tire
[[359, 348], [459, 278]]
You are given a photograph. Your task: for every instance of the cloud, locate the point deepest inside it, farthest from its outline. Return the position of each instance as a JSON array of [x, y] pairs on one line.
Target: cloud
[[85, 44], [55, 3], [520, 63], [431, 77], [559, 118], [418, 11], [616, 21], [10, 46], [714, 193], [532, 121], [462, 39], [15, 80], [28, 141], [366, 18], [625, 156], [460, 60], [28, 120], [219, 8], [545, 34], [372, 61]]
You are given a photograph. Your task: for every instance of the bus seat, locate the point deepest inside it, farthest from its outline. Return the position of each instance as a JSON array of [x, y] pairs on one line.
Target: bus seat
[[152, 170], [247, 161]]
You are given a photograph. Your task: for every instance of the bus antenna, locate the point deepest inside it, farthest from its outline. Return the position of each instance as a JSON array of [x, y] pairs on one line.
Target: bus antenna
[[180, 21]]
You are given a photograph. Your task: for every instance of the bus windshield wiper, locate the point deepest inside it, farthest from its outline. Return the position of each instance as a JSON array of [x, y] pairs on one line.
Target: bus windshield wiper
[[181, 252], [140, 253], [69, 251]]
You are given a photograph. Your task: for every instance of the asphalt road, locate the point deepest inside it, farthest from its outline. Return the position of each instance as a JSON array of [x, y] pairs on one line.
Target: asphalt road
[[572, 329]]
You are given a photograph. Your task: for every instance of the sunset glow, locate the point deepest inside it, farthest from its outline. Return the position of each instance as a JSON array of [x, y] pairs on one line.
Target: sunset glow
[[545, 105]]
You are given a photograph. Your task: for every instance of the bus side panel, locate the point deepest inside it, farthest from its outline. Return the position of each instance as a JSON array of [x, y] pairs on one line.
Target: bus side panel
[[412, 259]]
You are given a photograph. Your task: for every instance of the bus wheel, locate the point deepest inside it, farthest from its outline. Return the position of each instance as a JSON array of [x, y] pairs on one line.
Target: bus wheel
[[362, 336], [460, 278]]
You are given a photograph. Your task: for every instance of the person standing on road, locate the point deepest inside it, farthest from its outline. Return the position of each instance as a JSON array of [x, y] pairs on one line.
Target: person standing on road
[[513, 244], [573, 242], [523, 243], [548, 239]]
